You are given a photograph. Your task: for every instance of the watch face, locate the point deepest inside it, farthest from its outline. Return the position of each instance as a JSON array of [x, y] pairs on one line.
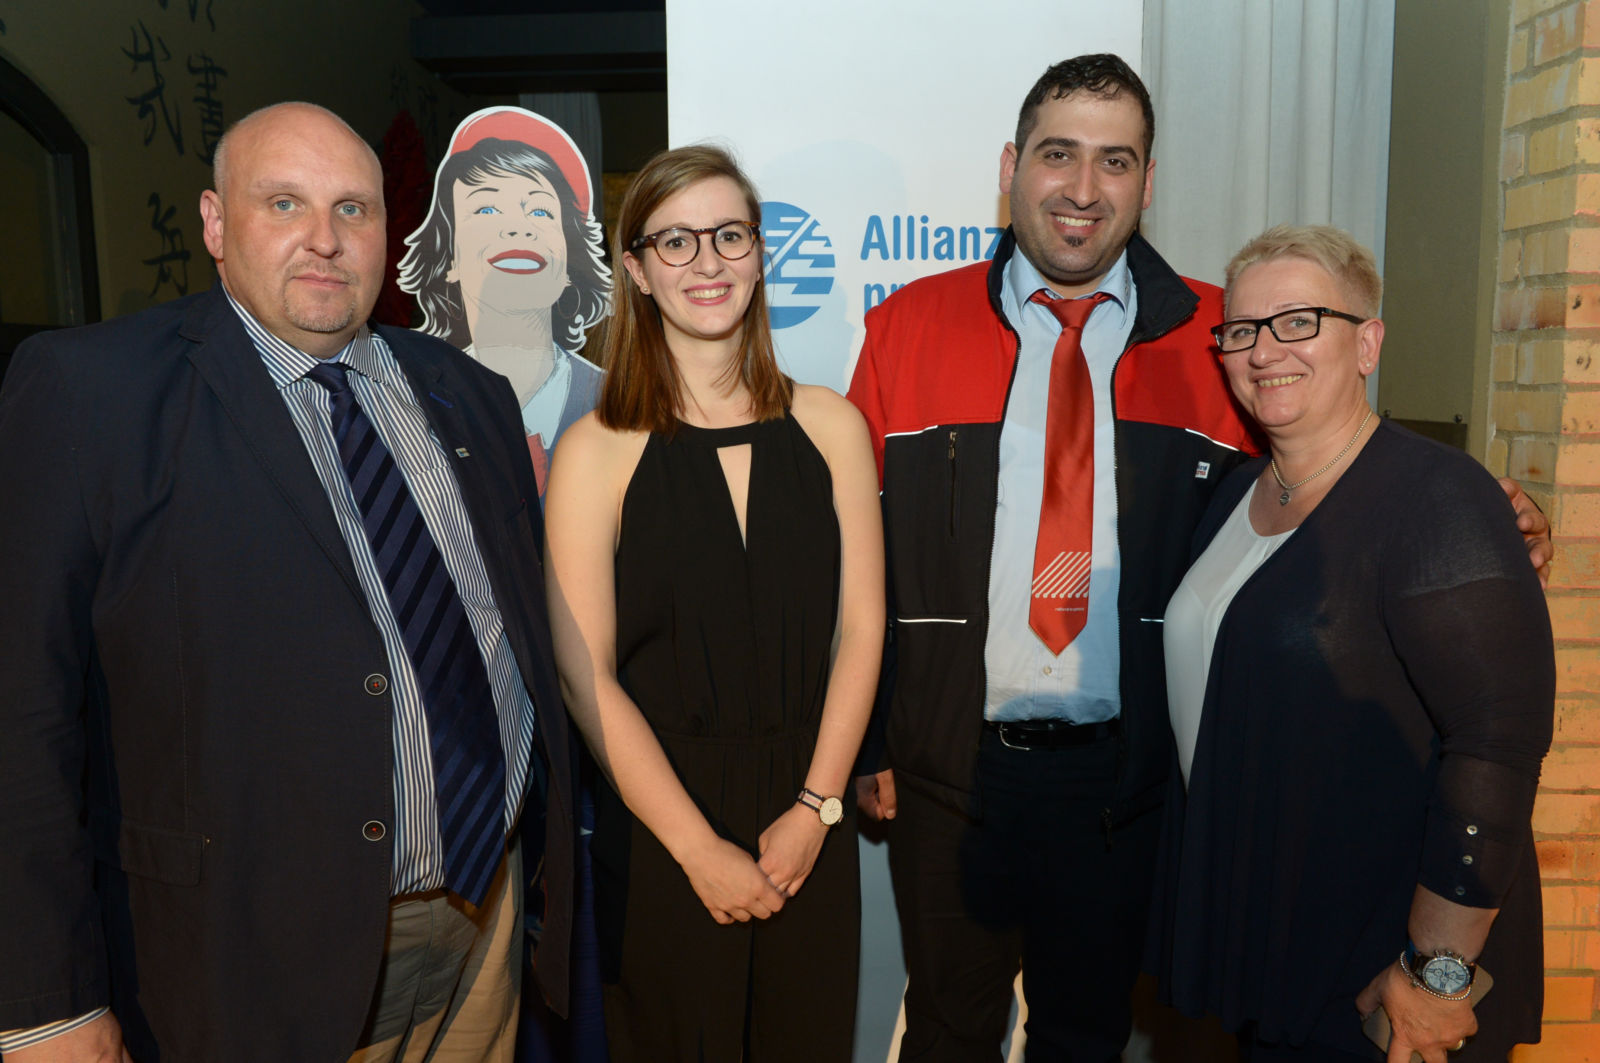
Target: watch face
[[832, 811], [1443, 974]]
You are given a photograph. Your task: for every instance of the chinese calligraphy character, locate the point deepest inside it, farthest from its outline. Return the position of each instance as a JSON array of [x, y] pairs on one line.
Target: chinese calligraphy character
[[155, 99], [194, 11], [172, 263], [205, 97]]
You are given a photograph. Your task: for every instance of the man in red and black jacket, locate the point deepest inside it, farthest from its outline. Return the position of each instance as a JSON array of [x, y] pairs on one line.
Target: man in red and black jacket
[[1025, 783]]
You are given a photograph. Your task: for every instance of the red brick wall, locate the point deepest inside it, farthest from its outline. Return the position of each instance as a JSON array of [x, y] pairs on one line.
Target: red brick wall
[[1546, 412]]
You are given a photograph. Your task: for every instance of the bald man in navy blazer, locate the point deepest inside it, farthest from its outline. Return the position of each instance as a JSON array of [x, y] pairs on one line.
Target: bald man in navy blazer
[[197, 768]]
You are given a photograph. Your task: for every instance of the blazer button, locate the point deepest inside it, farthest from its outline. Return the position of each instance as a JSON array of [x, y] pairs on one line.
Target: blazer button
[[373, 831], [376, 684]]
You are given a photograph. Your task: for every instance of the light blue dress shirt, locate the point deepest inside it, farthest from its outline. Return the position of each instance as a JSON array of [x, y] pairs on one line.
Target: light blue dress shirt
[[1025, 681]]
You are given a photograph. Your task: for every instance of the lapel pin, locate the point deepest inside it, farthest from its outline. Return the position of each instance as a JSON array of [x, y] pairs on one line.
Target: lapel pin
[[1202, 470], [461, 452]]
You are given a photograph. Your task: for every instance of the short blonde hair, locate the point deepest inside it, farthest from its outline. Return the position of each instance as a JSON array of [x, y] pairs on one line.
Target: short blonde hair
[[1335, 250]]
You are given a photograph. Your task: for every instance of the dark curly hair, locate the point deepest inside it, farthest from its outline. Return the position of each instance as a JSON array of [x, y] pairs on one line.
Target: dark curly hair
[[431, 249], [1102, 75]]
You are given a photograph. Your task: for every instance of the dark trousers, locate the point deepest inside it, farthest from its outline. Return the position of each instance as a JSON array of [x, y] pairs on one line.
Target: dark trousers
[[1253, 1051], [1480, 1049], [1035, 883]]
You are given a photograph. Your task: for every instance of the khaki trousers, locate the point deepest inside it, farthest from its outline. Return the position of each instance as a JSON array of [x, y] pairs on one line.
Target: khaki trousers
[[451, 977]]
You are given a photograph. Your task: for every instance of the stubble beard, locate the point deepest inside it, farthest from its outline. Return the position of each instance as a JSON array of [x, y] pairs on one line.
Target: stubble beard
[[1061, 258], [312, 315], [324, 320]]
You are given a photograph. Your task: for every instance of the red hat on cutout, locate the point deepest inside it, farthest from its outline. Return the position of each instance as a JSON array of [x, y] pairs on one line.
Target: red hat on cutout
[[536, 131]]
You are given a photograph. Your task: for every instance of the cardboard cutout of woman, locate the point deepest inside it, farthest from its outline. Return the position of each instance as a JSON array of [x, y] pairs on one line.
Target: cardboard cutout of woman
[[507, 265]]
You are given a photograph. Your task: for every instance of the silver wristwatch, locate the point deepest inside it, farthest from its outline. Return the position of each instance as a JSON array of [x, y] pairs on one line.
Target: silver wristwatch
[[1444, 974], [829, 809]]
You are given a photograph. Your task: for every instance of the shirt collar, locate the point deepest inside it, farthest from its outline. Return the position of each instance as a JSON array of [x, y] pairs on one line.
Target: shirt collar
[[542, 415], [1021, 280], [287, 363]]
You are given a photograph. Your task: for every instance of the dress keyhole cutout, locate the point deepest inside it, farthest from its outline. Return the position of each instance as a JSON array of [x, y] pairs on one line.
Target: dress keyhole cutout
[[736, 470]]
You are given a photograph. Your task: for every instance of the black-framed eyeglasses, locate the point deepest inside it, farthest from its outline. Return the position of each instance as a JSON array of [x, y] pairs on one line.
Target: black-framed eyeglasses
[[1289, 326], [678, 246]]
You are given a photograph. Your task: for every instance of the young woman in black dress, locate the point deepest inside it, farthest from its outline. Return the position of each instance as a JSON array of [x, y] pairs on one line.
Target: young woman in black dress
[[715, 571]]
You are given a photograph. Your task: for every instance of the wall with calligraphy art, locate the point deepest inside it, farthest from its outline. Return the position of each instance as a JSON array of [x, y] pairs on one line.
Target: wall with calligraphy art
[[150, 85]]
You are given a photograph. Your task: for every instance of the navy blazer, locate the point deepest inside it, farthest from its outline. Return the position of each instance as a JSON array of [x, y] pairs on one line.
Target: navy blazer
[[190, 748]]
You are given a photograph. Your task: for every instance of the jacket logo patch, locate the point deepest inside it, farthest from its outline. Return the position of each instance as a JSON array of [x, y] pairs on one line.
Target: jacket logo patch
[[1202, 470]]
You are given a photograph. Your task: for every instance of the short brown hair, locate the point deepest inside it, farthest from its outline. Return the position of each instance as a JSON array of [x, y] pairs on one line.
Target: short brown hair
[[1101, 74], [1335, 250], [643, 389]]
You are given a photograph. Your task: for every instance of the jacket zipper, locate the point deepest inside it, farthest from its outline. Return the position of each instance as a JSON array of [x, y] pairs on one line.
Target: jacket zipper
[[952, 483], [988, 570]]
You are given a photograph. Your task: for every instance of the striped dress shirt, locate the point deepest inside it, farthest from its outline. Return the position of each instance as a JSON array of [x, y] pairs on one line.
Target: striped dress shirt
[[385, 396]]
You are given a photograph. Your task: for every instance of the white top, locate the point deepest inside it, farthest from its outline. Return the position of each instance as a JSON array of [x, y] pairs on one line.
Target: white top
[[541, 414], [1195, 613]]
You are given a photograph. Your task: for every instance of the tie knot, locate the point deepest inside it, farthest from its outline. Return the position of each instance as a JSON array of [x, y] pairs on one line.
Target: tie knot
[[1072, 313], [331, 375]]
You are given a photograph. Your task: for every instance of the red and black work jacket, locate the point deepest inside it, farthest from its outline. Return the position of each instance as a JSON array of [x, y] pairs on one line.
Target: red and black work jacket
[[933, 380]]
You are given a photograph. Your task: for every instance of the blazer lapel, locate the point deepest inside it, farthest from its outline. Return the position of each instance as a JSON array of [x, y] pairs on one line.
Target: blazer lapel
[[227, 361], [478, 473], [447, 416]]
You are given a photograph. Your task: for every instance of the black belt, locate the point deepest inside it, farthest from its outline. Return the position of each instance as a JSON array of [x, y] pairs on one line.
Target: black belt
[[1051, 734]]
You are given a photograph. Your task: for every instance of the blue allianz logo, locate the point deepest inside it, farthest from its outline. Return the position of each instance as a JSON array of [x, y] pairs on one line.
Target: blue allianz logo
[[799, 263]]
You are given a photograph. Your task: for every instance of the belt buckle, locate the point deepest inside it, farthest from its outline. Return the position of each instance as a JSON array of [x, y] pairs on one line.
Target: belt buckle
[[1001, 727]]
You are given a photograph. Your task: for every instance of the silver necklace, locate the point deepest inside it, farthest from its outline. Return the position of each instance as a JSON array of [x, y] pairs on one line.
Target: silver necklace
[[1283, 499]]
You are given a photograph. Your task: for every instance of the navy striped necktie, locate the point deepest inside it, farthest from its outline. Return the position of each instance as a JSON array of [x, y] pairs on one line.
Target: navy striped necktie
[[469, 771]]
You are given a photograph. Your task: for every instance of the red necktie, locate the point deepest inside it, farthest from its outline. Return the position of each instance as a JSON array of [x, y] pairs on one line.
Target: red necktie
[[541, 460], [1062, 556]]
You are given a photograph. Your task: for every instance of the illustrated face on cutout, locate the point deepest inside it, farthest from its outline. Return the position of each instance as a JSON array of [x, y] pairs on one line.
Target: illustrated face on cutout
[[509, 234], [510, 251]]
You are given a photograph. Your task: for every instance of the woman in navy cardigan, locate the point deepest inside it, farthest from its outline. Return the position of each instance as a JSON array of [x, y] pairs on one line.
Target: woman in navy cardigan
[[1361, 679]]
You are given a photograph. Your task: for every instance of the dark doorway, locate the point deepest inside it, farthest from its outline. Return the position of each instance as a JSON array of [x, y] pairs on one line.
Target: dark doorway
[[48, 277]]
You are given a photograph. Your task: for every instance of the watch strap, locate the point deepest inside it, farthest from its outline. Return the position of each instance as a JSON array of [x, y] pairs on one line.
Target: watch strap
[[819, 804]]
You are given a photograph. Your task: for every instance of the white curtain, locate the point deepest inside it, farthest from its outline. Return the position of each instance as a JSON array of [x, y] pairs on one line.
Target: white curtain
[[1267, 112]]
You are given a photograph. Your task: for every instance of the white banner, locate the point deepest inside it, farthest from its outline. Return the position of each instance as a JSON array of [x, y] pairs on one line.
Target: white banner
[[873, 131]]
